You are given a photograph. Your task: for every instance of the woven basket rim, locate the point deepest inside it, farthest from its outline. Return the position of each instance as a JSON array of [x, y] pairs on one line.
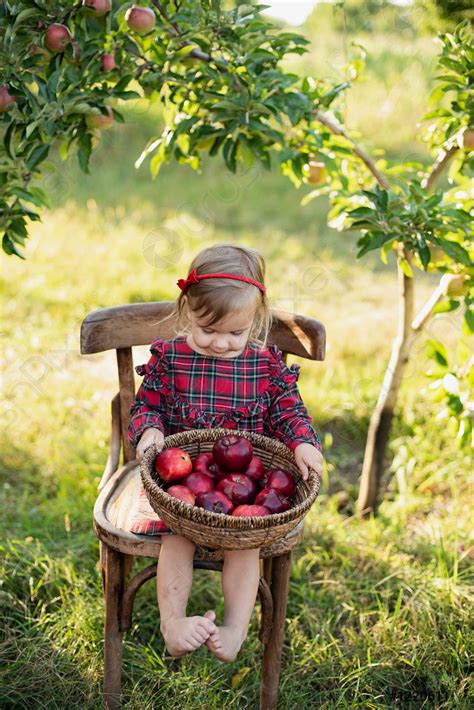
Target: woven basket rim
[[219, 520]]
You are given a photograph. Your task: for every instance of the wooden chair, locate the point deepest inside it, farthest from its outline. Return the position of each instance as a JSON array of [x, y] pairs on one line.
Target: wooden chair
[[120, 328]]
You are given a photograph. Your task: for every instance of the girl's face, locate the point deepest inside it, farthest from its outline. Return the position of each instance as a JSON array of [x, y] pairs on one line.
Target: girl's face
[[226, 338]]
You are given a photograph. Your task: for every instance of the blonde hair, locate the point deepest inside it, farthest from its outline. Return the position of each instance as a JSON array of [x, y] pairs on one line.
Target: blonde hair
[[217, 298]]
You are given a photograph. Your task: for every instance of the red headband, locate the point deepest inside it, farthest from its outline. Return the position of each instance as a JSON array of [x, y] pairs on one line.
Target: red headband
[[193, 278]]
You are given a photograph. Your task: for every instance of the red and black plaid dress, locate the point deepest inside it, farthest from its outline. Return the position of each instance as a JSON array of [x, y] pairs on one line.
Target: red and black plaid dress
[[255, 391]]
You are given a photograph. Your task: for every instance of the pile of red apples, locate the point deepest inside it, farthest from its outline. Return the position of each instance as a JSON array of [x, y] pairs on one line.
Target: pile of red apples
[[230, 479]]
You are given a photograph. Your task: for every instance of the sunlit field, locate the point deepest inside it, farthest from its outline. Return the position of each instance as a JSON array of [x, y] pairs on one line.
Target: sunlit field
[[379, 609]]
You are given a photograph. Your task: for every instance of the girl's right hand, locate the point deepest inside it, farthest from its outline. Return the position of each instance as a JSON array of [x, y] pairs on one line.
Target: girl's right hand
[[149, 437]]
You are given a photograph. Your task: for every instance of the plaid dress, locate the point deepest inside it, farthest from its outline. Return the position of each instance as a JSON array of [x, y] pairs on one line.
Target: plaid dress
[[183, 389]]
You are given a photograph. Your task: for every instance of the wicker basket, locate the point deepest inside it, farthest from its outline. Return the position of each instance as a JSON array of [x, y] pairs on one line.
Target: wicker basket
[[217, 531]]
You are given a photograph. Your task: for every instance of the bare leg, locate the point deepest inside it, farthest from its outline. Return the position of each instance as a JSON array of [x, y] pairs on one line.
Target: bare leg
[[240, 577], [173, 583]]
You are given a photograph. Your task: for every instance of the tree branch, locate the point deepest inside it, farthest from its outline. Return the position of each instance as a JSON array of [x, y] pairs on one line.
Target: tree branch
[[164, 15], [425, 312], [440, 164], [337, 129]]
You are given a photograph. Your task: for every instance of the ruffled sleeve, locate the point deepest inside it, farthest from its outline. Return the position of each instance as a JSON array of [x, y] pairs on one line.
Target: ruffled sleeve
[[287, 417], [149, 409]]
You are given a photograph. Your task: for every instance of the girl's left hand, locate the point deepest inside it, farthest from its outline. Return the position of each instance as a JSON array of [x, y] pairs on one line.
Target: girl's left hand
[[308, 456]]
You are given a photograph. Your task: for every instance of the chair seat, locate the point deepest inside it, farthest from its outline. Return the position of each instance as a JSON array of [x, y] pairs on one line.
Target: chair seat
[[117, 503]]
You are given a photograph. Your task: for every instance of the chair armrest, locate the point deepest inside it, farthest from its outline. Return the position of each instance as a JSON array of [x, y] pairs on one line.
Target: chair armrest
[[115, 443]]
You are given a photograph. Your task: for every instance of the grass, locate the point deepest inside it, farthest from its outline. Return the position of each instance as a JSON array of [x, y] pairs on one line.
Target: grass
[[378, 611]]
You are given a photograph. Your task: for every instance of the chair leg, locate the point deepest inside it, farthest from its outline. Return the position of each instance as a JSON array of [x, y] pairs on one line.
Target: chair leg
[[281, 569], [114, 568], [102, 553]]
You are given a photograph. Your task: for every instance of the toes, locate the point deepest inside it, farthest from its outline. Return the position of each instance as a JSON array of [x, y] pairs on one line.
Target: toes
[[211, 615], [214, 642]]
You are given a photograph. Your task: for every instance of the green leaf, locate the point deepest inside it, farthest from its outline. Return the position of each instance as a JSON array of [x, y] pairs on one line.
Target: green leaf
[[437, 351], [384, 251], [437, 113], [118, 116], [373, 241], [455, 251], [182, 127], [8, 141], [453, 64], [469, 319], [53, 82], [9, 246], [362, 212], [446, 306], [182, 52], [455, 404], [328, 98], [25, 15], [123, 83], [126, 95], [406, 268], [433, 201], [37, 156], [363, 224], [24, 195], [424, 252], [84, 152]]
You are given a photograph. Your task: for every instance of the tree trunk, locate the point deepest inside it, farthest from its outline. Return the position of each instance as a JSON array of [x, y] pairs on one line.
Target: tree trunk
[[381, 420]]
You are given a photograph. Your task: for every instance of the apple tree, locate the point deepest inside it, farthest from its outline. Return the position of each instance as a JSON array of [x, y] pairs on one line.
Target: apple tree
[[218, 76]]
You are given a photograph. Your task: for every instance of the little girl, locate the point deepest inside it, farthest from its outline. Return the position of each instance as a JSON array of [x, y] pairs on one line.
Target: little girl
[[218, 372]]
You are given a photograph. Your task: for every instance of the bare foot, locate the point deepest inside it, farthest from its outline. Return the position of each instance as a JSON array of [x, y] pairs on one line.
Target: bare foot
[[225, 642], [187, 633]]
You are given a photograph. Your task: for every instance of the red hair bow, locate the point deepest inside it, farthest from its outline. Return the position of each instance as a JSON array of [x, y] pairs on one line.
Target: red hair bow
[[192, 279]]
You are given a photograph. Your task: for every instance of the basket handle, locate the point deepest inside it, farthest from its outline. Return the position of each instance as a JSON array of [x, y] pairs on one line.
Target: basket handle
[[314, 479]]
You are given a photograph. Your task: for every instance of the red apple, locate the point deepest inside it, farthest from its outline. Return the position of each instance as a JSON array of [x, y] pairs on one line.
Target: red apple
[[199, 483], [316, 172], [255, 469], [238, 487], [215, 502], [140, 19], [99, 7], [182, 493], [281, 481], [202, 461], [108, 62], [233, 452], [173, 464], [99, 120], [274, 501], [217, 472], [7, 101], [251, 511], [468, 139], [57, 37]]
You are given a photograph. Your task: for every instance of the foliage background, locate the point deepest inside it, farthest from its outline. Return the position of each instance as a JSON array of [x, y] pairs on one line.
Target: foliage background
[[379, 610]]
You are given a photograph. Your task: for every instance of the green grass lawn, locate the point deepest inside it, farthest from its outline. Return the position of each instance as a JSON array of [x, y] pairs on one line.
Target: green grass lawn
[[378, 614]]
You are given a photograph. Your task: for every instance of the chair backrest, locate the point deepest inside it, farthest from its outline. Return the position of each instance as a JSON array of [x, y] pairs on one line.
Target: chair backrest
[[122, 327]]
